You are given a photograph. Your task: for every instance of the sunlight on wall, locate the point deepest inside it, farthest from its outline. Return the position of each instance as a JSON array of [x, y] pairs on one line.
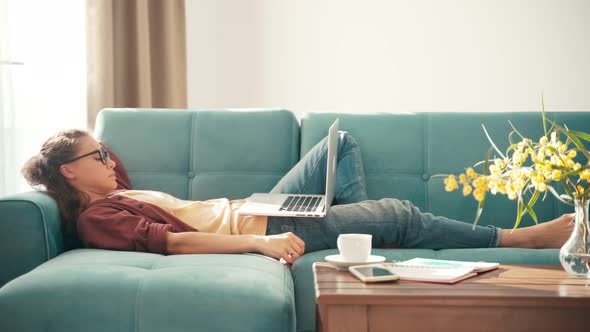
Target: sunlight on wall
[[49, 90]]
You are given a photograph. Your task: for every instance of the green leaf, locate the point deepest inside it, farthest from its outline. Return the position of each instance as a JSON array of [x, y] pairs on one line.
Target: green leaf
[[481, 203], [580, 134], [586, 193], [543, 113], [544, 195], [566, 132], [572, 173], [487, 161], [512, 147], [478, 163], [584, 152], [510, 137], [575, 139], [519, 214], [567, 189], [492, 142], [479, 211], [529, 206], [516, 130], [554, 192]]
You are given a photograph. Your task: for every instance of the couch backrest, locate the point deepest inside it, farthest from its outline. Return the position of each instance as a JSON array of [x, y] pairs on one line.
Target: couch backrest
[[402, 151], [202, 154]]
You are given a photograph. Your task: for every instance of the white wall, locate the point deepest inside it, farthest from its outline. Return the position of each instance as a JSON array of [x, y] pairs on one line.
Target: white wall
[[389, 56]]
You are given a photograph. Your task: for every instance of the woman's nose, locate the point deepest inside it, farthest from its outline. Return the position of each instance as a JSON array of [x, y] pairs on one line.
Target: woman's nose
[[111, 163]]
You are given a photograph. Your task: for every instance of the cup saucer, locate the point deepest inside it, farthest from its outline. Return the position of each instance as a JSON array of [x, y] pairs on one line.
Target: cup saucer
[[341, 264]]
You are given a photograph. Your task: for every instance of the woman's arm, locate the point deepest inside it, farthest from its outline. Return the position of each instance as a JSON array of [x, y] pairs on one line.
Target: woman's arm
[[208, 243], [277, 246]]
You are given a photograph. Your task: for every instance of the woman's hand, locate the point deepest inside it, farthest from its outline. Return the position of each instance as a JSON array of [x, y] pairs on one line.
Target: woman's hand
[[285, 246]]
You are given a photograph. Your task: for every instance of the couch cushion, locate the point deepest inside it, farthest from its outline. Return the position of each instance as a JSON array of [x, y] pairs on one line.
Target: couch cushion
[[402, 151], [303, 273], [502, 255], [201, 154], [30, 233], [101, 290]]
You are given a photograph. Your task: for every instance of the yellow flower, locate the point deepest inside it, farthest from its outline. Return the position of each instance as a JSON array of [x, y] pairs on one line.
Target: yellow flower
[[519, 185], [585, 174], [502, 188], [462, 178], [543, 140], [561, 147], [493, 184], [556, 174], [572, 154], [557, 162], [495, 170], [479, 194], [480, 182], [513, 175], [541, 187], [466, 190], [451, 183], [537, 179], [548, 152]]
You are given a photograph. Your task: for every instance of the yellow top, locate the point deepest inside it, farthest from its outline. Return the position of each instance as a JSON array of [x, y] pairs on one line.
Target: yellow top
[[212, 216]]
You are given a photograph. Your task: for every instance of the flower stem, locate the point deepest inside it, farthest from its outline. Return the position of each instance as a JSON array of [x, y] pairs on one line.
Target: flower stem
[[573, 185]]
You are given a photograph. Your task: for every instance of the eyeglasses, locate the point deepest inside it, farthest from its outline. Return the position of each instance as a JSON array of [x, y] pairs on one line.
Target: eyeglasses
[[104, 156]]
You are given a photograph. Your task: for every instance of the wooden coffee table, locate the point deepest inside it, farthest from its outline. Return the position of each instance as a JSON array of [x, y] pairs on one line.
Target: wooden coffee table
[[511, 298]]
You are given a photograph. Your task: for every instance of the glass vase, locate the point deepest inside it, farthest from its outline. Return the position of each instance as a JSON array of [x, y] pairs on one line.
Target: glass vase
[[575, 253]]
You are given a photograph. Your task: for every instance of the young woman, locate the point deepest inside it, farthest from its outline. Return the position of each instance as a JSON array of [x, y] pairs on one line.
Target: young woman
[[100, 209]]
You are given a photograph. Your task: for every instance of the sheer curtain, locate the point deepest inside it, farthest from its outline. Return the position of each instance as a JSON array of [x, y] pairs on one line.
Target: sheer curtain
[[42, 79]]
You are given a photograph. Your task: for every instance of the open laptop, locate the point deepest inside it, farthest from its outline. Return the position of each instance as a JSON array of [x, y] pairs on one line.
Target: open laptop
[[298, 205]]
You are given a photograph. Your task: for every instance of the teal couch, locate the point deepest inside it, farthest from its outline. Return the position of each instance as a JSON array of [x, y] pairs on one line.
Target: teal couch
[[202, 154]]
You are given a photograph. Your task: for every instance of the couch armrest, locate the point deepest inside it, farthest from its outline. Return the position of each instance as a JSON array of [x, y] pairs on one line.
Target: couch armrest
[[30, 233]]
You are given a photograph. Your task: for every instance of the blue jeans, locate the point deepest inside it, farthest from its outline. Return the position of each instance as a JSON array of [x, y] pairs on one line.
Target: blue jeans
[[389, 220]]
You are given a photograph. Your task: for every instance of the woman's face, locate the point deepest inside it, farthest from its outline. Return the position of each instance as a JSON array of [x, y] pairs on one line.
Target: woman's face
[[89, 174]]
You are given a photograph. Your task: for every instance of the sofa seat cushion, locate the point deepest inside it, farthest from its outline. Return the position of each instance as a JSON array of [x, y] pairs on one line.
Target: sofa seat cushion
[[502, 255], [102, 290], [303, 273]]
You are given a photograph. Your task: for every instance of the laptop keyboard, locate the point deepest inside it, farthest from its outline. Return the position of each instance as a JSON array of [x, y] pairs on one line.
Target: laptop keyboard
[[300, 203]]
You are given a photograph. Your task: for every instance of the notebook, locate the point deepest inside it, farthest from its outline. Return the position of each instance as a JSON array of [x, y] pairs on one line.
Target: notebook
[[441, 271]]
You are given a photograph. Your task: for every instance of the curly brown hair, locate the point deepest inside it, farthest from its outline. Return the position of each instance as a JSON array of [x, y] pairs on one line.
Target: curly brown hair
[[42, 173]]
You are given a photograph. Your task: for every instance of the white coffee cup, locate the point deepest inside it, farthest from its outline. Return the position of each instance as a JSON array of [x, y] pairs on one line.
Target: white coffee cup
[[354, 247]]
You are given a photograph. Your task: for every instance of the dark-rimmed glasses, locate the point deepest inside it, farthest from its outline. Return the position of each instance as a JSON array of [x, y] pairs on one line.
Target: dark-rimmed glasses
[[104, 156]]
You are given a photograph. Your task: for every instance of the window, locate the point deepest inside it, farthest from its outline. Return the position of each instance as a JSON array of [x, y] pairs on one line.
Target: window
[[42, 79]]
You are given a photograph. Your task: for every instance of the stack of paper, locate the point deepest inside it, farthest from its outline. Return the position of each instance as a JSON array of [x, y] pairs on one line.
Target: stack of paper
[[436, 270]]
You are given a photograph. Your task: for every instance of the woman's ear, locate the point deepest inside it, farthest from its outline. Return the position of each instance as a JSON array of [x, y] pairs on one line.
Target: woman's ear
[[66, 171]]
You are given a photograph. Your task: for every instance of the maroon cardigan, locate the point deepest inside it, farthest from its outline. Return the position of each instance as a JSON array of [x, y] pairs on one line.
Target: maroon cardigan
[[122, 223]]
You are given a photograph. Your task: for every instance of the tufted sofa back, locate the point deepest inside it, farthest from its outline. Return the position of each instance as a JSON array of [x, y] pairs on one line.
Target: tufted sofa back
[[402, 152], [202, 154]]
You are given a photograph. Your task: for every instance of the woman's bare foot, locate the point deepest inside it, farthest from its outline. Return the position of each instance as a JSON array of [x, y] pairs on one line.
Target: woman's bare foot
[[550, 234]]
